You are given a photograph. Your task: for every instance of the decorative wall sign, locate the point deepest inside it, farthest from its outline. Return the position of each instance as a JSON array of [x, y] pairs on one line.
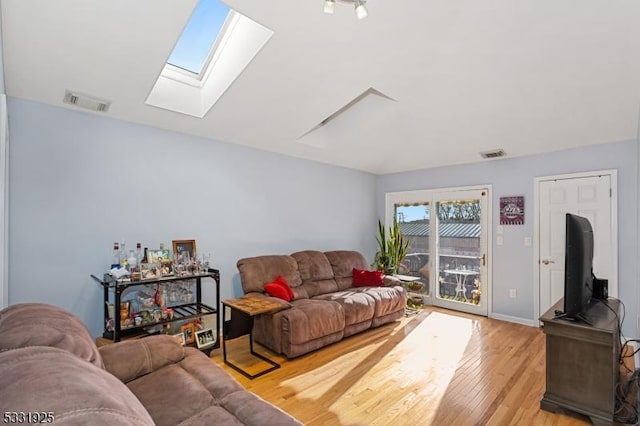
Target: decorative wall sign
[[512, 210]]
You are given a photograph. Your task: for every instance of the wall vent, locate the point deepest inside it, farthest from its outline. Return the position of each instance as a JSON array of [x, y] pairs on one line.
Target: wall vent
[[495, 153], [86, 101]]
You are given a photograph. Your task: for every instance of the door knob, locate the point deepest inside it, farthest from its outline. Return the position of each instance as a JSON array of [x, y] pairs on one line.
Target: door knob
[[547, 261]]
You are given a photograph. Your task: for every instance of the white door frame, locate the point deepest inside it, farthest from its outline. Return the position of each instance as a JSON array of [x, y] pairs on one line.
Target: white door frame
[[613, 280], [428, 195]]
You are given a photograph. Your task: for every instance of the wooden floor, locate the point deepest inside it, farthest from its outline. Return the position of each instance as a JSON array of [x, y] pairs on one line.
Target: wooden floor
[[437, 367]]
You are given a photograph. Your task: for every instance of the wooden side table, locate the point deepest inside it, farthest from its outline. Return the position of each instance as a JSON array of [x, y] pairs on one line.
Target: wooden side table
[[243, 311]]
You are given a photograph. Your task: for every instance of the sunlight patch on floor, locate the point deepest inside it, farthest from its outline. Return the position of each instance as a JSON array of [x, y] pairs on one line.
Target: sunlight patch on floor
[[439, 342], [328, 375], [423, 363]]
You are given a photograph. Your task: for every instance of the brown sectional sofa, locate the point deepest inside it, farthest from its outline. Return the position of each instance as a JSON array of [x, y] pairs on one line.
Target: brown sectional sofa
[[49, 366], [326, 307]]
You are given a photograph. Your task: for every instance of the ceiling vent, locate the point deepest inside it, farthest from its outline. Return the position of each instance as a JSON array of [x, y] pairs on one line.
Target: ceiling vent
[[495, 153], [86, 101]]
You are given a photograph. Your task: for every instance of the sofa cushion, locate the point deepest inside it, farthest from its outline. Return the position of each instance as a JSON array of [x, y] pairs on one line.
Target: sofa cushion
[[313, 265], [342, 262], [310, 319], [316, 272], [306, 323], [364, 278], [257, 271], [358, 306], [39, 324], [54, 380], [202, 393], [131, 359], [387, 299]]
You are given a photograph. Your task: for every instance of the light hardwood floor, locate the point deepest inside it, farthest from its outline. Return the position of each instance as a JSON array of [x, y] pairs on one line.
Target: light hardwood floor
[[439, 367]]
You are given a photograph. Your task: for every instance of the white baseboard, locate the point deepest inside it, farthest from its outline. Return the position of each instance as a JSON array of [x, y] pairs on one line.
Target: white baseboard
[[517, 320]]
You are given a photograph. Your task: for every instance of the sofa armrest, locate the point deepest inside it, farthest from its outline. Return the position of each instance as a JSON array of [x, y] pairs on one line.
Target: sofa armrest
[[283, 303], [131, 359], [391, 281]]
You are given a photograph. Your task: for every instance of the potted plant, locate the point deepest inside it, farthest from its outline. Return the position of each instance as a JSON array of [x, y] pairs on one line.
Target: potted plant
[[391, 249]]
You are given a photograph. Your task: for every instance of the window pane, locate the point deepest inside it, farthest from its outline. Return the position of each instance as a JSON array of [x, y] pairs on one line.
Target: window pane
[[198, 37], [414, 226], [459, 250]]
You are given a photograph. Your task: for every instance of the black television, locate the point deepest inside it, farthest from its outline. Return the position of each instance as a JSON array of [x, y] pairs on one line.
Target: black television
[[578, 268]]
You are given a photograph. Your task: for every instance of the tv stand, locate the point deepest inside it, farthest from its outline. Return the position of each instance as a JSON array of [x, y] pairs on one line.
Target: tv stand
[[575, 318], [582, 362]]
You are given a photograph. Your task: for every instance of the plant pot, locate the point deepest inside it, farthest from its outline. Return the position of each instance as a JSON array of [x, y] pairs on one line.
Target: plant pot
[[415, 286]]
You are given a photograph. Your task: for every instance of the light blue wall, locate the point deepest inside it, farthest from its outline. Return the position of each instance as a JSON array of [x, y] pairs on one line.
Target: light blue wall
[[513, 262], [79, 182]]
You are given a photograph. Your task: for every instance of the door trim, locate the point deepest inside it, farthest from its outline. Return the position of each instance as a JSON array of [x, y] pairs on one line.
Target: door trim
[[428, 195], [613, 280]]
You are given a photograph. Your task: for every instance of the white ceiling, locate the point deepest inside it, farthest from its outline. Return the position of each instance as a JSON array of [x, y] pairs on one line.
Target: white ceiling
[[464, 76]]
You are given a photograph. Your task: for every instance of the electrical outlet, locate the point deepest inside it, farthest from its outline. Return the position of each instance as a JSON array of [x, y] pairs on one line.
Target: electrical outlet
[[513, 293]]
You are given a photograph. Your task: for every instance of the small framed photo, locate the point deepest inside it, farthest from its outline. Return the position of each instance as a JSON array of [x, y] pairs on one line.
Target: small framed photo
[[205, 338], [179, 337], [158, 256], [189, 330], [184, 246]]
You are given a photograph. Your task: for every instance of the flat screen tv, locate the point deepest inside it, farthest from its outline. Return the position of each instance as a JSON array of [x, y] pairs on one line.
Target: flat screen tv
[[578, 267]]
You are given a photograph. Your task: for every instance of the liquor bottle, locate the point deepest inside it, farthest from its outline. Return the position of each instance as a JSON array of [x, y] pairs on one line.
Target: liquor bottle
[[132, 261], [123, 254], [139, 254], [115, 260]]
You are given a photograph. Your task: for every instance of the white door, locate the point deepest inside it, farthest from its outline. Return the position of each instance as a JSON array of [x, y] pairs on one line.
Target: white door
[[461, 248], [587, 196]]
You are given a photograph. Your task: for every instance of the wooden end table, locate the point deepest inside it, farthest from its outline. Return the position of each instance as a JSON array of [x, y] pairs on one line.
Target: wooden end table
[[243, 311]]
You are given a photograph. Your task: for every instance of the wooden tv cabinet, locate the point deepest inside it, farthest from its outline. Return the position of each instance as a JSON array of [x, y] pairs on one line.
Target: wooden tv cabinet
[[582, 362]]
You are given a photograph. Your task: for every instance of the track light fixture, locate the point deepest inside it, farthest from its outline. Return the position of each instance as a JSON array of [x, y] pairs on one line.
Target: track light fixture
[[360, 7], [329, 6]]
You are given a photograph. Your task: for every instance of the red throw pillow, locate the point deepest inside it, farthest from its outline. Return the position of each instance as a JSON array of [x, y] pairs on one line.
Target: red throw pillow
[[286, 286], [279, 288], [363, 278]]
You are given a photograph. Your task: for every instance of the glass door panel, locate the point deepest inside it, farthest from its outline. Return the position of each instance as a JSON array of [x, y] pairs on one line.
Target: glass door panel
[[461, 247], [413, 219]]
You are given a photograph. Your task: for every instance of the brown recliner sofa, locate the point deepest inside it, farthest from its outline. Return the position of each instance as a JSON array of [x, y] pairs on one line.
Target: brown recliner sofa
[[51, 371], [326, 306]]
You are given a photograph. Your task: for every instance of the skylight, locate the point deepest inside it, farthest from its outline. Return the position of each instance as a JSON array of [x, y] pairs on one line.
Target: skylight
[[217, 44], [197, 40]]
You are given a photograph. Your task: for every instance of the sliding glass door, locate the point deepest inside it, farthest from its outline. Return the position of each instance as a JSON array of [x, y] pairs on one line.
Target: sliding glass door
[[461, 247], [447, 232]]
